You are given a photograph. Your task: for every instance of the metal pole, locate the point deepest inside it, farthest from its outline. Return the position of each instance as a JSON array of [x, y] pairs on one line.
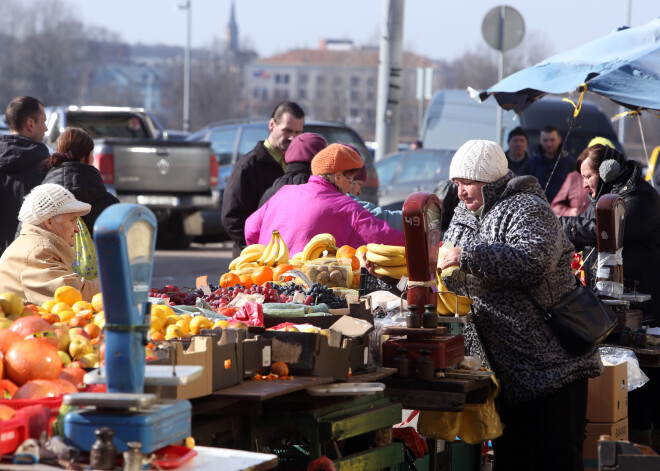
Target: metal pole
[[186, 73], [622, 109], [500, 73], [390, 78], [421, 85]]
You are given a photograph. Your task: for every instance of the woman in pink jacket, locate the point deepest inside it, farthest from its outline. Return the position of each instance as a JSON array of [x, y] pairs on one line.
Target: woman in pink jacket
[[299, 212]]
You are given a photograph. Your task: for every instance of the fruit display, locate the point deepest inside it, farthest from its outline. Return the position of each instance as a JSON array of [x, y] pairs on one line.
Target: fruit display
[[388, 260], [331, 272]]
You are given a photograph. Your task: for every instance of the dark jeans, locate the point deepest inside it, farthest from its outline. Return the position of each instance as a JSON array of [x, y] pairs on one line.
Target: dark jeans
[[643, 404], [544, 434]]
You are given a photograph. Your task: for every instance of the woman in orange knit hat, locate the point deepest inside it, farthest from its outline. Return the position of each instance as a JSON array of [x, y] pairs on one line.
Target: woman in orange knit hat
[[299, 212]]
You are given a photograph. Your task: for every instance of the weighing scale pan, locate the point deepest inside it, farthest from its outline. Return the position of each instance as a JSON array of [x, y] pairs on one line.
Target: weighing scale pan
[[345, 389], [110, 400], [155, 375]]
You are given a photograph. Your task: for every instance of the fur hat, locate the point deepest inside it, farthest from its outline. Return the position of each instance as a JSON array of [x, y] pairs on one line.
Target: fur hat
[[479, 160], [48, 200], [304, 147], [336, 158]]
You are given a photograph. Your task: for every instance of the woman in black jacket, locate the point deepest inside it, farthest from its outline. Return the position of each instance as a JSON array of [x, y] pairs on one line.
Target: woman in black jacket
[[72, 167], [605, 170]]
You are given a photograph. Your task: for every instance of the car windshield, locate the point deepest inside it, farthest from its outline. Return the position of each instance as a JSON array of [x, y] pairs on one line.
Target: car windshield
[[108, 124], [387, 167]]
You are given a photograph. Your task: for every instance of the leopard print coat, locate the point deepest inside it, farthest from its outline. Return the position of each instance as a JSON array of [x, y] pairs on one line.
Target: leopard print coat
[[517, 244]]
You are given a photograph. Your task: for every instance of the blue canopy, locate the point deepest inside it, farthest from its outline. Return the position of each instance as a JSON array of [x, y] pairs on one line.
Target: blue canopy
[[623, 66]]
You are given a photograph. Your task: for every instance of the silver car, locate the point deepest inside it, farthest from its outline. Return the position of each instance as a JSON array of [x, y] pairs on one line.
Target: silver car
[[403, 173]]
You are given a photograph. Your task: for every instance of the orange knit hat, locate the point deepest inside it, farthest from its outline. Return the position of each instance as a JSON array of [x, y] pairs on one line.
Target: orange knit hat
[[336, 158]]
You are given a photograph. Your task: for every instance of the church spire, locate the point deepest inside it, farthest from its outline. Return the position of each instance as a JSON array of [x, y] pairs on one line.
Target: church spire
[[231, 35]]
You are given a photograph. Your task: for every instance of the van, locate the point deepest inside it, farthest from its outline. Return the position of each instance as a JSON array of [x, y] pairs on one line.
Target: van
[[452, 118]]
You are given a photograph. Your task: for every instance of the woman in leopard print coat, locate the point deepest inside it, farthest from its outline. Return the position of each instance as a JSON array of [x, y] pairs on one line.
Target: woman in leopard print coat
[[507, 240]]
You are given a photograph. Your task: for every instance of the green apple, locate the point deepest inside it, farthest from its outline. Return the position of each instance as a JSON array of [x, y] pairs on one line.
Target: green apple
[[64, 356], [80, 346], [63, 339], [90, 360], [5, 323]]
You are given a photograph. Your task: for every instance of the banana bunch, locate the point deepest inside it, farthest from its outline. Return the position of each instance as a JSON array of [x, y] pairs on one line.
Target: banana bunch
[[275, 253], [297, 260], [248, 257], [450, 303], [319, 244], [389, 260]]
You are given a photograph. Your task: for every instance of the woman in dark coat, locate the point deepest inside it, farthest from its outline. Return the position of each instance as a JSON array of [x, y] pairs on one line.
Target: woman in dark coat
[[605, 170], [72, 167]]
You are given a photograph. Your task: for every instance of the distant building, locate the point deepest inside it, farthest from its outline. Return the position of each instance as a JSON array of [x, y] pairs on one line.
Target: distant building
[[129, 85], [231, 34], [336, 82]]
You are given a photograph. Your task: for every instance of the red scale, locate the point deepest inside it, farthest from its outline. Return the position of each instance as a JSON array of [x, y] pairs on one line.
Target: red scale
[[421, 229]]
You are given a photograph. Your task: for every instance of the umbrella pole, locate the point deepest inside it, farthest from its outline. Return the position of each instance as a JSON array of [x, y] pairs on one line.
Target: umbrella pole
[[646, 153]]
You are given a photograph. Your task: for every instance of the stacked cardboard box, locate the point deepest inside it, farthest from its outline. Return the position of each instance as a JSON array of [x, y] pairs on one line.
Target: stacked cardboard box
[[607, 410]]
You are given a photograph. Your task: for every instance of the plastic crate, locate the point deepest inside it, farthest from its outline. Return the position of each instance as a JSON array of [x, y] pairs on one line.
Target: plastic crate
[[13, 432], [53, 403], [370, 283]]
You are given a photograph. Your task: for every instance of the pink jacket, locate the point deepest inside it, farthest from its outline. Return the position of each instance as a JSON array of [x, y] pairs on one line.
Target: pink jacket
[[299, 212], [572, 194]]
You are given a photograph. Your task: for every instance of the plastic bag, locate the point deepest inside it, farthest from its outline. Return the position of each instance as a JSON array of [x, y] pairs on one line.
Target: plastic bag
[[614, 355], [251, 313], [475, 424], [85, 263]]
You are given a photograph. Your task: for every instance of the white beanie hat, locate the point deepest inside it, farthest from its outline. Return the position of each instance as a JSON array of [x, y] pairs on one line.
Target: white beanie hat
[[48, 200], [479, 160]]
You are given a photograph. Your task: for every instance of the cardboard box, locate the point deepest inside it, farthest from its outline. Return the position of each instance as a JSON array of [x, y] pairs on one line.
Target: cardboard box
[[199, 353], [607, 401], [310, 354], [617, 431], [257, 356], [227, 354], [356, 338]]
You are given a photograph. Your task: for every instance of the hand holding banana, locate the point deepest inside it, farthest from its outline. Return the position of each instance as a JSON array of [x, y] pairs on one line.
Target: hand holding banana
[[452, 258]]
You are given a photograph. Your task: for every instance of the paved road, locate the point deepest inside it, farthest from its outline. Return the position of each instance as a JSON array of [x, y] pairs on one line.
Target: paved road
[[182, 267]]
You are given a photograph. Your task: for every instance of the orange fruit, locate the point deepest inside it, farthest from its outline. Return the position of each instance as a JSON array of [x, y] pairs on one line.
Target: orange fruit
[[48, 305], [361, 251], [38, 389], [97, 302], [33, 308], [68, 295], [51, 318], [32, 359], [77, 321], [73, 375], [262, 275], [229, 279], [66, 316], [246, 280], [356, 280], [157, 337], [93, 330], [59, 307], [355, 262], [81, 306], [280, 269], [345, 251]]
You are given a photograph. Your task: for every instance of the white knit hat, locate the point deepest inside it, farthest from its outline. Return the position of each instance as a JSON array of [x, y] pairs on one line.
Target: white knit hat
[[479, 160], [48, 200]]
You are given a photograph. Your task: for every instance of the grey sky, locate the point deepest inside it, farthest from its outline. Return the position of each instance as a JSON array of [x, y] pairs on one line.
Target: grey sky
[[439, 29]]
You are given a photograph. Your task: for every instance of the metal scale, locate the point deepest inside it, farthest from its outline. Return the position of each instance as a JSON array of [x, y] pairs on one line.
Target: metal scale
[[422, 214], [124, 235]]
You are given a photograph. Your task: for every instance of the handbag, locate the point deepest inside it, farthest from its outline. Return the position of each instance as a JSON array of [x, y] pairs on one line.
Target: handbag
[[580, 319], [85, 263]]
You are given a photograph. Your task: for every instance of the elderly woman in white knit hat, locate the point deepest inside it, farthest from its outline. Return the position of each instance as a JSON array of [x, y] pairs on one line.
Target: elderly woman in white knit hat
[[39, 260], [508, 245]]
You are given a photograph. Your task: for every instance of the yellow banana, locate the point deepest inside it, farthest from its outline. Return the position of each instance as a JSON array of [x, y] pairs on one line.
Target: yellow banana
[[254, 248], [248, 258], [243, 271], [274, 250], [232, 264], [329, 239], [442, 309], [266, 253], [453, 302], [387, 250], [246, 265], [317, 252], [324, 241], [385, 261], [283, 254], [297, 256], [394, 272]]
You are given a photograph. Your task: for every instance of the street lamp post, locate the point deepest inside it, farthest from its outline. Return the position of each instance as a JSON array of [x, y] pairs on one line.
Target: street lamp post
[[186, 69]]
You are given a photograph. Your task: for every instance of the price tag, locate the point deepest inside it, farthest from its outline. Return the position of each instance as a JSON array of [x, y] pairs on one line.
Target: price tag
[[201, 281], [401, 285], [206, 290], [265, 356]]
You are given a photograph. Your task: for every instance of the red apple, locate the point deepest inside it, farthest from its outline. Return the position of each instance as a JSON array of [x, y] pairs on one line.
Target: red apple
[[79, 331]]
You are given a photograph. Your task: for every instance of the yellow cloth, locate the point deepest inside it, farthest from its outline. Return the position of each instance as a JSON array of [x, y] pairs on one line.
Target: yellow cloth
[[279, 158]]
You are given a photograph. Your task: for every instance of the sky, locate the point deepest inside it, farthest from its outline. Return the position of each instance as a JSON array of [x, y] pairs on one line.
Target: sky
[[437, 29]]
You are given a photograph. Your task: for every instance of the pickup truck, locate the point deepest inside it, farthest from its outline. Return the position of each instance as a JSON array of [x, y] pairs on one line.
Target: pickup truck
[[176, 180]]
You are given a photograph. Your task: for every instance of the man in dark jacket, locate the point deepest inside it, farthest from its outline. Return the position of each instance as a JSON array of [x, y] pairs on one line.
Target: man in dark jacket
[[547, 165], [21, 156], [517, 154], [256, 171]]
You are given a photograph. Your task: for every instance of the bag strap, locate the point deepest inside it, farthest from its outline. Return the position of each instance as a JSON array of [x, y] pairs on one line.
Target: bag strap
[[546, 314]]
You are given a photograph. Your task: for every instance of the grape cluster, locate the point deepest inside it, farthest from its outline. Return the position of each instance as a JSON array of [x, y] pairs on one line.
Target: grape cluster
[[316, 294], [177, 297], [222, 296]]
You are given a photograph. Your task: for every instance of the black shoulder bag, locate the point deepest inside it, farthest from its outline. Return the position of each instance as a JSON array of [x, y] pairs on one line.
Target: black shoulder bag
[[580, 319]]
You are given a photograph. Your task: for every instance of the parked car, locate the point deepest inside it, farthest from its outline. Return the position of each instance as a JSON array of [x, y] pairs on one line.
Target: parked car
[[4, 129], [403, 173], [232, 139], [175, 179]]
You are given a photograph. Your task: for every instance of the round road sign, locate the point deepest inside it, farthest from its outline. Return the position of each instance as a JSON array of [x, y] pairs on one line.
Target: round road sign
[[503, 28]]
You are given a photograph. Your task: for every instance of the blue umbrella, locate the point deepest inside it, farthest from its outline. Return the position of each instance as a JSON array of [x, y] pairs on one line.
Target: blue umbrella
[[623, 66]]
